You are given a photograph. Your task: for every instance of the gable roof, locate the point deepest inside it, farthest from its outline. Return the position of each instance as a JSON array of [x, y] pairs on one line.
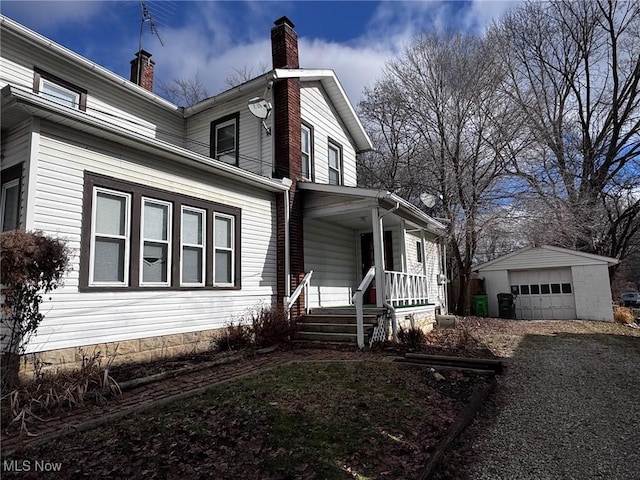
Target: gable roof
[[327, 79], [544, 256]]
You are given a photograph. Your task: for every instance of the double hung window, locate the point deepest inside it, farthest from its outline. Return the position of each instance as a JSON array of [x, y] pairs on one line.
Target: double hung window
[[307, 152], [140, 237], [224, 139], [335, 164]]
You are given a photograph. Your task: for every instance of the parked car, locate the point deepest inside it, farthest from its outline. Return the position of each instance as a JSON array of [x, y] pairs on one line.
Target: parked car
[[630, 299]]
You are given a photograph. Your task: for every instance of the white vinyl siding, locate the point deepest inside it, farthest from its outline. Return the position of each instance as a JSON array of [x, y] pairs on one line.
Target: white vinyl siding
[[317, 110], [254, 145], [330, 251], [77, 318], [110, 238], [193, 238], [106, 100]]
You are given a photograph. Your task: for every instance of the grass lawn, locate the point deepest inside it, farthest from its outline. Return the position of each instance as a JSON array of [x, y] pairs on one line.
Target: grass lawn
[[302, 421]]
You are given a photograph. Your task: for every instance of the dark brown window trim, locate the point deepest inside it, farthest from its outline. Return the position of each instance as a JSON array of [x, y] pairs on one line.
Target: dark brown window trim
[[9, 175], [137, 191], [39, 74], [332, 143], [212, 135], [312, 161]]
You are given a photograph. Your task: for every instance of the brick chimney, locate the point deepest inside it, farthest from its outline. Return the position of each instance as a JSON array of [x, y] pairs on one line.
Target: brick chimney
[[288, 153], [142, 70]]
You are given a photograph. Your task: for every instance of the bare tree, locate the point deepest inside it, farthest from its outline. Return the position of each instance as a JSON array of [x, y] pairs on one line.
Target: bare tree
[[238, 76], [574, 71], [184, 92], [443, 112]]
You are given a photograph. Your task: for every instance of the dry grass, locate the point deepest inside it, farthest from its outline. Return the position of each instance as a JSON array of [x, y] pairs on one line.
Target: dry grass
[[502, 337], [49, 392], [623, 315]]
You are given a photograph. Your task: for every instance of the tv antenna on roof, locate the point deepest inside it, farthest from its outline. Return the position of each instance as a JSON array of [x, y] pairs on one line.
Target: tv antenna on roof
[[146, 17]]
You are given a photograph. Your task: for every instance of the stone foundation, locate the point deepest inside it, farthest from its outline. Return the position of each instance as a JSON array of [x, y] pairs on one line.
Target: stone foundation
[[420, 318], [140, 350]]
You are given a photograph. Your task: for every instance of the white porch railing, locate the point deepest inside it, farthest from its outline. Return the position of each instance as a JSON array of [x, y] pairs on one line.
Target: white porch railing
[[303, 285], [405, 289], [358, 300]]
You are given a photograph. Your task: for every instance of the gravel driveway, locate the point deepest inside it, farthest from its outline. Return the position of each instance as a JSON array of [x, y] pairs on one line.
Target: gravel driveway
[[567, 408]]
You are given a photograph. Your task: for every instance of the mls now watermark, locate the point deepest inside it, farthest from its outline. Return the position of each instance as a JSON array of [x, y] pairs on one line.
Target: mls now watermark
[[31, 466]]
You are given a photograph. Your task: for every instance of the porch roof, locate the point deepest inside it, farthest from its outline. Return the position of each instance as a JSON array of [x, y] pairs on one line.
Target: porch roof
[[349, 205]]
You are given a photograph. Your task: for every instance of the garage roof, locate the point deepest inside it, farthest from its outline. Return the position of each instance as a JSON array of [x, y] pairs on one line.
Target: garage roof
[[544, 256]]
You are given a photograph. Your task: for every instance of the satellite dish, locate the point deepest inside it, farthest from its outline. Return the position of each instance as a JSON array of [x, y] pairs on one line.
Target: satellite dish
[[259, 107], [428, 200]]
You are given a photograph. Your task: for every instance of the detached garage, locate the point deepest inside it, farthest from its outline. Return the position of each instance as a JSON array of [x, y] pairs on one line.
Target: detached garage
[[551, 283]]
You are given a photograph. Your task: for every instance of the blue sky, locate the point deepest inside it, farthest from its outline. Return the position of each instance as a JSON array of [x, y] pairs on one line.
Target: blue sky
[[213, 38]]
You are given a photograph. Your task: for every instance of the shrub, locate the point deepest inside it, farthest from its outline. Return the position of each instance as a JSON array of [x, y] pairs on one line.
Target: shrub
[[623, 315], [412, 337], [31, 264], [52, 391], [236, 336], [271, 326], [262, 326]]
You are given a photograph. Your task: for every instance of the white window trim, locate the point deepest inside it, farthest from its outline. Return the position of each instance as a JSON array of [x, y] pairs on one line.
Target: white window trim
[[3, 198], [331, 146], [168, 241], [76, 95], [226, 249], [231, 152], [126, 237], [202, 246], [309, 162]]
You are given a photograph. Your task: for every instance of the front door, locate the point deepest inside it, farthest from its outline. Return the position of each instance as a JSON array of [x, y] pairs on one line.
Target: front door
[[368, 260]]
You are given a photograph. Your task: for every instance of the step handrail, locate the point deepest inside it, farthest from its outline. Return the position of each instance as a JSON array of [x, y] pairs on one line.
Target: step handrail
[[358, 300], [303, 285]]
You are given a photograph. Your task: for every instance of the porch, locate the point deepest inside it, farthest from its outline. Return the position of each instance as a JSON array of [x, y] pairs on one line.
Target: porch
[[371, 249]]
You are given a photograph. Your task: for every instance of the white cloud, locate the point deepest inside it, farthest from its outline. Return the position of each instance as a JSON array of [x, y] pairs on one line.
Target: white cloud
[[43, 15]]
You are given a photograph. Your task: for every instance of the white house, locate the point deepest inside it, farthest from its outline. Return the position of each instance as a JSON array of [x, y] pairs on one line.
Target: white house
[[551, 283], [180, 219]]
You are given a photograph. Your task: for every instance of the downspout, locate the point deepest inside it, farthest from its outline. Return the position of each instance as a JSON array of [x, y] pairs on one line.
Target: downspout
[[287, 253]]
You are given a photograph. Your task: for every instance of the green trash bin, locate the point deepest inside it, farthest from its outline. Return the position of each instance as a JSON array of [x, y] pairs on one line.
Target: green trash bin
[[481, 305]]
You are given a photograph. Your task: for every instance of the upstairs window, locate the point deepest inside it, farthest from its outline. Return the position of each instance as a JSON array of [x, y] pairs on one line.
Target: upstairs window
[[307, 152], [59, 91], [419, 251], [335, 164], [224, 139], [10, 199]]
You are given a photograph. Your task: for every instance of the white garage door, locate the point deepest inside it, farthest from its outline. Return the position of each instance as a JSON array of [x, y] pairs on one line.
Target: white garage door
[[543, 294]]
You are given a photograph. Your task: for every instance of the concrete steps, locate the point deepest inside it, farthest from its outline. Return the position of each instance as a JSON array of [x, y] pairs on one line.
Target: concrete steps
[[336, 325]]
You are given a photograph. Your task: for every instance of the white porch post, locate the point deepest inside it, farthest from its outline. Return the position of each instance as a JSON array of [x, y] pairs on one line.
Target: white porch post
[[378, 254], [403, 247], [424, 252]]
